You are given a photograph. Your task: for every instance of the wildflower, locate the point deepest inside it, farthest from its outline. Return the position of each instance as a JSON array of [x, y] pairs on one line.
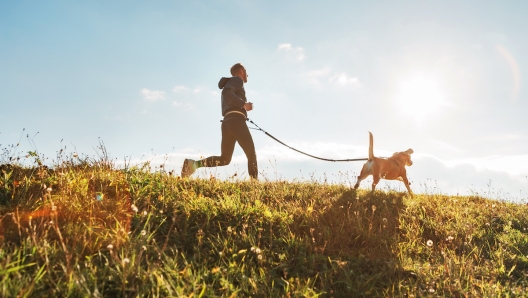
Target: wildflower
[[450, 238], [49, 189], [259, 257], [143, 232], [373, 208], [431, 290], [110, 246], [75, 155], [257, 250], [384, 220], [357, 198], [126, 261], [429, 242], [144, 247], [145, 213], [134, 208]]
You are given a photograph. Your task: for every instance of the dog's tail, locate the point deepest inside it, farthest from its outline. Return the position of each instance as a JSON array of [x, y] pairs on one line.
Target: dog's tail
[[371, 147]]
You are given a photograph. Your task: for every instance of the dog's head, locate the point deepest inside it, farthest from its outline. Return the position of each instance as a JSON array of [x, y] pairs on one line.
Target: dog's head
[[404, 156]]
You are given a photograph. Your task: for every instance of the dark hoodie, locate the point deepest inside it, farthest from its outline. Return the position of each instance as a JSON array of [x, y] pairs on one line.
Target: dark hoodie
[[233, 95]]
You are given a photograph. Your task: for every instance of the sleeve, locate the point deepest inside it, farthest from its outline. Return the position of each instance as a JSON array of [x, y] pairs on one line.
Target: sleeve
[[229, 95]]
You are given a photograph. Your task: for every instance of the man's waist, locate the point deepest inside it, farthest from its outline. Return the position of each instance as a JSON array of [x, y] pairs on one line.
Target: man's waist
[[235, 114]]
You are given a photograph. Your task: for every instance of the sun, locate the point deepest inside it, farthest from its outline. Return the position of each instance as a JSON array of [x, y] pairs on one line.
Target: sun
[[420, 97]]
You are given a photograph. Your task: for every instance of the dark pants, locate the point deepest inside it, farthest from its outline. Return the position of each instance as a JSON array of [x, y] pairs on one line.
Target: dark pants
[[234, 129]]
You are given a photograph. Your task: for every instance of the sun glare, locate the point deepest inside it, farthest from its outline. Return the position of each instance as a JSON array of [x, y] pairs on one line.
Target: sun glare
[[419, 97]]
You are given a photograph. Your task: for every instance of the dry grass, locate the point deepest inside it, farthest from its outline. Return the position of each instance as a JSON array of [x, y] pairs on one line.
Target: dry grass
[[156, 235]]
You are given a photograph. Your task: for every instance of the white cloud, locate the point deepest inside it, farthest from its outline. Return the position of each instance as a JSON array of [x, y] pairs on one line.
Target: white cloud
[[152, 95], [513, 165], [284, 46], [470, 177], [314, 77], [297, 52], [180, 88], [185, 89], [343, 79], [319, 77], [178, 104]]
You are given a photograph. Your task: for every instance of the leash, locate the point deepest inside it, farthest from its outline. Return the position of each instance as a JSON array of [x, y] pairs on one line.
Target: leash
[[325, 159]]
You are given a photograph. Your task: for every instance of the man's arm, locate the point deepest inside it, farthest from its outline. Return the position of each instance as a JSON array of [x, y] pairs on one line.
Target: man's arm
[[228, 93]]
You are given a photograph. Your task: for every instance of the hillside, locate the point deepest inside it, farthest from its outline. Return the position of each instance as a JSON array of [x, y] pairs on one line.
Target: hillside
[[85, 229]]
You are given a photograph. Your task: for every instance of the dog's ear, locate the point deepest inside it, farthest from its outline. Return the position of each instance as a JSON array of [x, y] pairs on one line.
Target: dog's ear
[[409, 151]]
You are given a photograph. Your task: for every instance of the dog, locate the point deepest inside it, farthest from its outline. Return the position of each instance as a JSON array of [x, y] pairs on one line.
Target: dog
[[392, 168]]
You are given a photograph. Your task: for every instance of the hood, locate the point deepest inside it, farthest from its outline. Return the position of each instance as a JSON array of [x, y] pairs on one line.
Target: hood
[[222, 82]]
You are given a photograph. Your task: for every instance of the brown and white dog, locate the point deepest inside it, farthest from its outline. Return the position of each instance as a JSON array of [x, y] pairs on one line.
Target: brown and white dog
[[392, 168]]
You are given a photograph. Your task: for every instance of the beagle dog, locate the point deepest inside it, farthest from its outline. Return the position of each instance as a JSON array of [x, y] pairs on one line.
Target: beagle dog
[[392, 168]]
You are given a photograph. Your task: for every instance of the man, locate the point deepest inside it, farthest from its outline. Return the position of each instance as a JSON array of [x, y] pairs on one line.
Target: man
[[234, 127]]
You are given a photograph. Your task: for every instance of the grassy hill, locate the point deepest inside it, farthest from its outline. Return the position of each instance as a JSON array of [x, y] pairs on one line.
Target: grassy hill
[[86, 229]]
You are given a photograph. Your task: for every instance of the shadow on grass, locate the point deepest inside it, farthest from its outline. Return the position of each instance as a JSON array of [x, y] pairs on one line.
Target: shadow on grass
[[355, 240]]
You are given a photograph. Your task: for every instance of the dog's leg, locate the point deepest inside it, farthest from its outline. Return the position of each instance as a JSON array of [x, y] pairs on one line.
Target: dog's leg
[[375, 181], [364, 174], [406, 182], [358, 181]]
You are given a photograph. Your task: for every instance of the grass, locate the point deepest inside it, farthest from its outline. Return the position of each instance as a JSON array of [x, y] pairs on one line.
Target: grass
[[83, 228]]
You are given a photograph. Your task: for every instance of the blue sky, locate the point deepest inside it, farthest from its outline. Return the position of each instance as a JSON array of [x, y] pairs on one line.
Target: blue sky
[[446, 79]]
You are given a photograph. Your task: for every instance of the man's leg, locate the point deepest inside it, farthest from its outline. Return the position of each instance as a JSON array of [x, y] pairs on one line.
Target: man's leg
[[227, 148], [243, 137]]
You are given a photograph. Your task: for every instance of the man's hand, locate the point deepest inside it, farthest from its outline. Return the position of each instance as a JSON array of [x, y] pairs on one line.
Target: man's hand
[[248, 106]]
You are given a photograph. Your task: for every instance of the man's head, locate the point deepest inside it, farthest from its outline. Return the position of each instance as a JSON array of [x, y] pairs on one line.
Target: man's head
[[238, 70]]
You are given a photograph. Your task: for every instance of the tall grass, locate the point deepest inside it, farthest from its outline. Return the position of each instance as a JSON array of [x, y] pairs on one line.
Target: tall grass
[[83, 228]]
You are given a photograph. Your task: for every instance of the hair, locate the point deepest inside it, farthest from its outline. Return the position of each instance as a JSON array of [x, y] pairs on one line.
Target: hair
[[236, 68]]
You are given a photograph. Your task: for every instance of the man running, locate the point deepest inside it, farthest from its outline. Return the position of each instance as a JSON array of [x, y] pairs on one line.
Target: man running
[[234, 127]]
